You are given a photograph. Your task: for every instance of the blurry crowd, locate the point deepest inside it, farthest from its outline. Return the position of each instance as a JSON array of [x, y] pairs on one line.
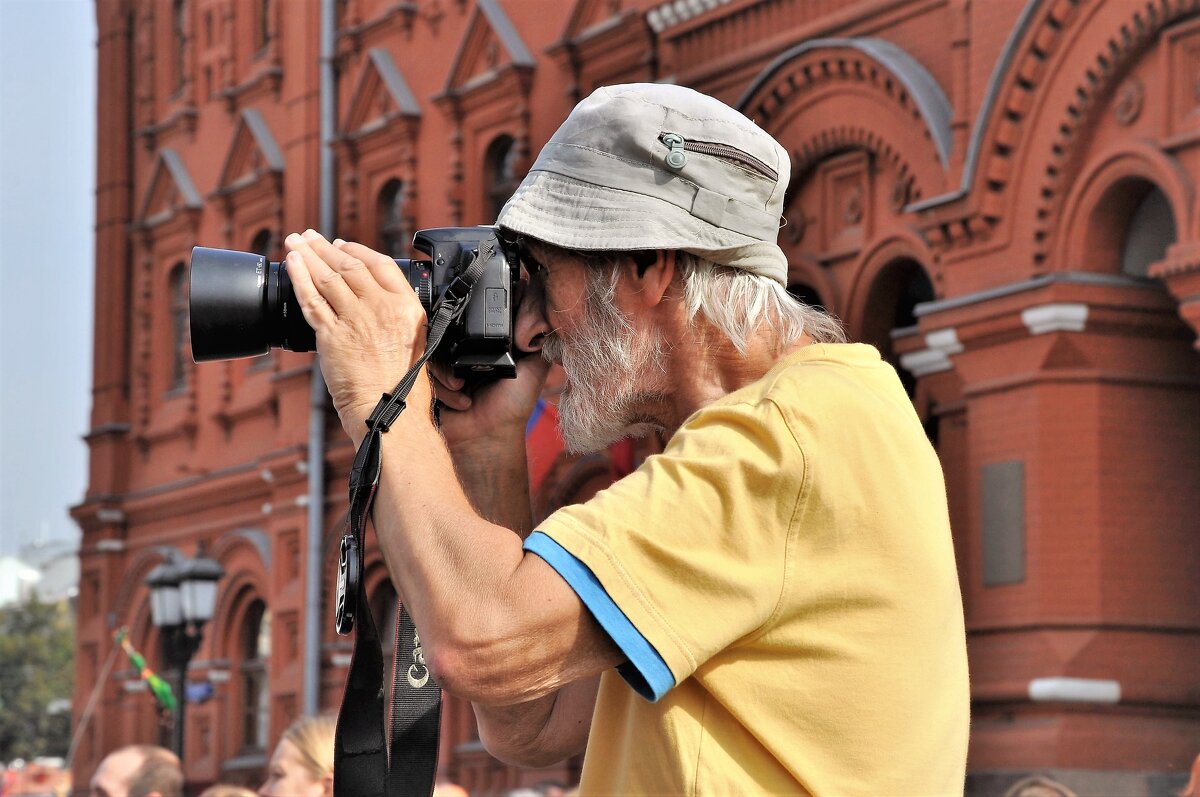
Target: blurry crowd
[[41, 777], [300, 766]]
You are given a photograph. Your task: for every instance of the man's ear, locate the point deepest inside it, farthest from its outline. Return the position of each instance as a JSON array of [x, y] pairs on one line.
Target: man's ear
[[327, 782], [651, 278]]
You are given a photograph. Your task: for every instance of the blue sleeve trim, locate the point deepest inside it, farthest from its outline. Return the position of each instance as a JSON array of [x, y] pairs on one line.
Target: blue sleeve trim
[[645, 671]]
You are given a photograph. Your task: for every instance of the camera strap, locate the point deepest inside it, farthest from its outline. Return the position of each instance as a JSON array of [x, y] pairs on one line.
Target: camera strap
[[370, 761]]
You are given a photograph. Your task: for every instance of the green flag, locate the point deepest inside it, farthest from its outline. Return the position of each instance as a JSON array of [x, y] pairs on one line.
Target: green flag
[[160, 688]]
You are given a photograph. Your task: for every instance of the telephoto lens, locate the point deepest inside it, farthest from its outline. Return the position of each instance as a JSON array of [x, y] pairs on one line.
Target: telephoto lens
[[242, 304]]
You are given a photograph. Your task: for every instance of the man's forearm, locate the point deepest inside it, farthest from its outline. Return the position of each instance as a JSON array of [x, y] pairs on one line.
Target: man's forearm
[[499, 626], [494, 474]]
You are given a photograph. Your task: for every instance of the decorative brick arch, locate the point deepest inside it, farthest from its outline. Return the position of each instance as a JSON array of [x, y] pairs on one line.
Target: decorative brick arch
[[828, 95], [902, 245], [805, 271], [1123, 46], [1132, 161], [813, 149], [241, 554], [240, 590], [1063, 65]]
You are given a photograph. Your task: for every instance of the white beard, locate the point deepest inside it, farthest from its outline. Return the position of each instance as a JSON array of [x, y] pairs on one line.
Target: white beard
[[607, 365]]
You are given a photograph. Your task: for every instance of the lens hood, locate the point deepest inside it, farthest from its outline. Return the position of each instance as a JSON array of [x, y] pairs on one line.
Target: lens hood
[[228, 304]]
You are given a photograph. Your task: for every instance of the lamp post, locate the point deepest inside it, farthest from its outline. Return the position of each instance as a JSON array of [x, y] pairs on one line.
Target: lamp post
[[183, 597]]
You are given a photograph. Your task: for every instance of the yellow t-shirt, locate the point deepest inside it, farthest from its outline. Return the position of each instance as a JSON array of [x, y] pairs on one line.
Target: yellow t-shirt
[[788, 559]]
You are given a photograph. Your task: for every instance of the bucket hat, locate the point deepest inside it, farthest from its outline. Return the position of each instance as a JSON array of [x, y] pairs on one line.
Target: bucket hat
[[657, 166]]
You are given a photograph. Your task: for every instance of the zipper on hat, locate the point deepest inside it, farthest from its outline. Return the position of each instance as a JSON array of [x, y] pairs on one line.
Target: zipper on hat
[[680, 146]]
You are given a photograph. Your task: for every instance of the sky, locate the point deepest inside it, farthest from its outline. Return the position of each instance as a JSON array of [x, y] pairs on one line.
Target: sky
[[47, 211]]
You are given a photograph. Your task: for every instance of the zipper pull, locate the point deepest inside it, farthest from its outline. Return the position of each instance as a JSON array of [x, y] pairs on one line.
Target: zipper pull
[[676, 158]]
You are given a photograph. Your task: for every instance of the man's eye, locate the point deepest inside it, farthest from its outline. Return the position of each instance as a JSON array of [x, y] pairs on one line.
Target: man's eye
[[531, 265]]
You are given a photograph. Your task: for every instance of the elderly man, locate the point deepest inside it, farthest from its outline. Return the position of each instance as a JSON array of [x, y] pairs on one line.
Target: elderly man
[[771, 603], [139, 770]]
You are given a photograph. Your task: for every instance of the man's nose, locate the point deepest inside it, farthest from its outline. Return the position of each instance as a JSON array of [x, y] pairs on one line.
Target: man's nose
[[532, 326]]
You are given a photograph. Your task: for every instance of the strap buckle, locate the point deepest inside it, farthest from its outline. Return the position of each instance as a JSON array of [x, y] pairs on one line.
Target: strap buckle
[[458, 289], [385, 413]]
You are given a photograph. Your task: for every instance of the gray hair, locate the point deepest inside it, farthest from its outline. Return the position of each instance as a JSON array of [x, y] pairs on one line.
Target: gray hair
[[740, 303], [736, 302]]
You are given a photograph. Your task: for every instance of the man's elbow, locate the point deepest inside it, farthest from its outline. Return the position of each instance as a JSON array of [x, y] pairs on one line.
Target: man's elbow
[[511, 748], [475, 672]]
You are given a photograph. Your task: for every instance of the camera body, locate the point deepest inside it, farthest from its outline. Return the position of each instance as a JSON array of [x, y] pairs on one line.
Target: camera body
[[480, 345], [242, 305]]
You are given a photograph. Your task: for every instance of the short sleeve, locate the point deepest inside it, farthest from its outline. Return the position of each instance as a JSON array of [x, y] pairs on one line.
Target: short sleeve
[[692, 546]]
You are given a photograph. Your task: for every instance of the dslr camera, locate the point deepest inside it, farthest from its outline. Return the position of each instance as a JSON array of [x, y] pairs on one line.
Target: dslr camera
[[242, 305]]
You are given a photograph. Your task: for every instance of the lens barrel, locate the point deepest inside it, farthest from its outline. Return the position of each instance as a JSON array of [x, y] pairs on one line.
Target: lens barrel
[[243, 305]]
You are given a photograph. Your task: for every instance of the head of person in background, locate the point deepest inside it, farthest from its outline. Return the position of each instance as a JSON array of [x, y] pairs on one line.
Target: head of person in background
[[1038, 786], [552, 788], [445, 788], [226, 790], [302, 764], [1192, 789], [139, 770]]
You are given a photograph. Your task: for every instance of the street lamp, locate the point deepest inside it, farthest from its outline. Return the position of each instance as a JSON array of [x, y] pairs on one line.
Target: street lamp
[[183, 597]]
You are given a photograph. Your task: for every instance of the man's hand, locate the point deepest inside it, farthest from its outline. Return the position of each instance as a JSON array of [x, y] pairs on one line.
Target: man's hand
[[495, 411], [369, 324]]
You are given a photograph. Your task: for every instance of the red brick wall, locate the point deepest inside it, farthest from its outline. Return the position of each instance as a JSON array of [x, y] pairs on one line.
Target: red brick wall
[[1056, 117]]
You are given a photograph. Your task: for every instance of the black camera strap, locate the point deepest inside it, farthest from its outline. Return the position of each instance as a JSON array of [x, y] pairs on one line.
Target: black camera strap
[[362, 765]]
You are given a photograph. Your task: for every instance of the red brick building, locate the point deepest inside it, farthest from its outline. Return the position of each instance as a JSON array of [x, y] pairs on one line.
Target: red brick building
[[1000, 195]]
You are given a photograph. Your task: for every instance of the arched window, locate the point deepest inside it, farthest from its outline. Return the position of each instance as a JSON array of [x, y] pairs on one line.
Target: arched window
[[891, 305], [500, 172], [1128, 229], [255, 694], [177, 286], [263, 243], [807, 294], [1151, 230], [178, 31], [264, 25], [394, 237]]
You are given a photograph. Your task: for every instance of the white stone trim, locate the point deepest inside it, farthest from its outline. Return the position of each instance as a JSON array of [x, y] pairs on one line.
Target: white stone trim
[[925, 362], [1055, 318], [1074, 690], [944, 340], [676, 12], [941, 343], [110, 546]]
